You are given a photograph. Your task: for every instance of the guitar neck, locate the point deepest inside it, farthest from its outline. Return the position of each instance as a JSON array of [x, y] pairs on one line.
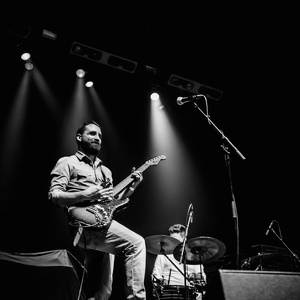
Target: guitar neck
[[128, 180]]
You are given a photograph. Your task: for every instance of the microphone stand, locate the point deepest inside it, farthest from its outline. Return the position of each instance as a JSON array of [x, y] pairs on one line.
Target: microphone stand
[[227, 163], [183, 252], [294, 255]]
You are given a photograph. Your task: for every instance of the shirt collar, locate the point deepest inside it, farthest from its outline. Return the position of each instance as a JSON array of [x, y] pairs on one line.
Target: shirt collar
[[81, 156]]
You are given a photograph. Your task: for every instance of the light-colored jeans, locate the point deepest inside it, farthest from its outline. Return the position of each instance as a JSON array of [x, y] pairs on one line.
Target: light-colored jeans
[[120, 241]]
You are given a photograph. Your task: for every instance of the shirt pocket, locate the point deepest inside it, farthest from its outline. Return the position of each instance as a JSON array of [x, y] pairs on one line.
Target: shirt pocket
[[85, 179]]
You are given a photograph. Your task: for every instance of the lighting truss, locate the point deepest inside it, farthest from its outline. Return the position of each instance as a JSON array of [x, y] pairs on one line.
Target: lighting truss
[[194, 87], [103, 57]]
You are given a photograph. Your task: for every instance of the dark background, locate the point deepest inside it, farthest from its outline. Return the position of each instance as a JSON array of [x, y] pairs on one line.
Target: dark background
[[250, 54]]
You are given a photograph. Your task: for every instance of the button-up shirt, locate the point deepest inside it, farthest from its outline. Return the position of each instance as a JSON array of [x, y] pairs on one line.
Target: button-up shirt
[[76, 173]]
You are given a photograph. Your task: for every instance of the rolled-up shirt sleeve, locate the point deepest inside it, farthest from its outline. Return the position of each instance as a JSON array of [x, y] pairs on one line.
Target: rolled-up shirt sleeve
[[60, 176]]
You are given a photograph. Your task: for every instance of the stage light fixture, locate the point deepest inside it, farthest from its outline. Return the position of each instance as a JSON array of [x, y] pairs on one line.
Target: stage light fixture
[[17, 29], [28, 66], [77, 49], [154, 96], [103, 57], [86, 52], [181, 83], [28, 63], [25, 56], [80, 73], [89, 83], [49, 34], [210, 92], [121, 63], [194, 87]]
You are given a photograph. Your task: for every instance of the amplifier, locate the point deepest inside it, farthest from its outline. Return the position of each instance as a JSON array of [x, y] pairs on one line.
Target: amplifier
[[271, 258], [272, 249]]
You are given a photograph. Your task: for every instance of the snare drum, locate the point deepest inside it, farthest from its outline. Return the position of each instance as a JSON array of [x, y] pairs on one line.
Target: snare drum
[[175, 292]]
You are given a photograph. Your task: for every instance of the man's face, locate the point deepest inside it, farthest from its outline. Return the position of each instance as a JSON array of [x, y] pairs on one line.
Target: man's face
[[91, 139], [178, 235]]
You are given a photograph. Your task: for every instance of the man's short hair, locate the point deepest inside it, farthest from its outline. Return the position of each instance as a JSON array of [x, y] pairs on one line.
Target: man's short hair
[[176, 228], [81, 129]]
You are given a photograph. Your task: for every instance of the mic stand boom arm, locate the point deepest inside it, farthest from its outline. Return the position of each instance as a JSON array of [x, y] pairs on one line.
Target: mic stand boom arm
[[294, 255], [210, 122]]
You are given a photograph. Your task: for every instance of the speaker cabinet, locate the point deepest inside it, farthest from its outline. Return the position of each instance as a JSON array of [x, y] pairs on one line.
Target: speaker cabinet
[[252, 285]]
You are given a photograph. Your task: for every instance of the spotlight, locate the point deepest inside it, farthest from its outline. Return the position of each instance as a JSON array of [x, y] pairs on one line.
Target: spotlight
[[154, 96], [25, 56], [28, 66], [28, 63], [89, 83], [80, 73]]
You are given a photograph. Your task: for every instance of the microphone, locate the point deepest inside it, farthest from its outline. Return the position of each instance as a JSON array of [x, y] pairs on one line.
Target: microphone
[[270, 226], [182, 100]]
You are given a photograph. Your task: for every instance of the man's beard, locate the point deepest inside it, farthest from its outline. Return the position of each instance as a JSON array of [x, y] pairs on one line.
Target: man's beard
[[90, 148]]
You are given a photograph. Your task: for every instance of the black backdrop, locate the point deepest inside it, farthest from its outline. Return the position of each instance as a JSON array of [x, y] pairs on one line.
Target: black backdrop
[[251, 57]]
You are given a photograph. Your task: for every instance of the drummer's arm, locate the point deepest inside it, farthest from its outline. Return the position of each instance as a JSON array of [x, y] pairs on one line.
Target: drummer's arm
[[203, 274], [157, 272]]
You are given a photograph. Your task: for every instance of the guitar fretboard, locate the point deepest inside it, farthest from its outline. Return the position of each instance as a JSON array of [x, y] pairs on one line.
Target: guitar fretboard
[[128, 180]]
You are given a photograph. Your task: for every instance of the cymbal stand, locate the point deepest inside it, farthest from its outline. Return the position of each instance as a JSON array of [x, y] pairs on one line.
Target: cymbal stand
[[197, 250]]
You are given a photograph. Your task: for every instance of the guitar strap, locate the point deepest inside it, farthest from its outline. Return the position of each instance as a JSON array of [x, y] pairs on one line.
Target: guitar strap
[[106, 181]]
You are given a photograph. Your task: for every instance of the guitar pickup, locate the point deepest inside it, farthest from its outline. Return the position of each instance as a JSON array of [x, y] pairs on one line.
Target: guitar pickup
[[104, 201]]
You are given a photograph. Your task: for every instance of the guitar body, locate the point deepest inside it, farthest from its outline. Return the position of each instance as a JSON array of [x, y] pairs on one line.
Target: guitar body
[[100, 214]]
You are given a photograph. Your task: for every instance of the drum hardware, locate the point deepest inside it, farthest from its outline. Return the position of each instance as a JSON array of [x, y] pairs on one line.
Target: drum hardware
[[163, 245], [178, 292], [202, 249]]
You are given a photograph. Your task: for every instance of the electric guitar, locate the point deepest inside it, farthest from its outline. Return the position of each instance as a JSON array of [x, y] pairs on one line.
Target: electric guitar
[[101, 213]]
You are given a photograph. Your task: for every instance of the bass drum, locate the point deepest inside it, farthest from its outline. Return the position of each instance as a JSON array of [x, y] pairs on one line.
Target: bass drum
[[175, 292]]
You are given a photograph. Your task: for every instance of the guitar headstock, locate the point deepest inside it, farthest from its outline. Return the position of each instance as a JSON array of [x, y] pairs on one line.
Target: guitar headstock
[[155, 160]]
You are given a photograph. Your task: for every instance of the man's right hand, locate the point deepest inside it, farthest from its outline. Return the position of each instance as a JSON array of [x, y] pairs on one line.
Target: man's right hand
[[98, 193]]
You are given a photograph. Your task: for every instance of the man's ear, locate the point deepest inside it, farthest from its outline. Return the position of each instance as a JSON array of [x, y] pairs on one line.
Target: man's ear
[[78, 137]]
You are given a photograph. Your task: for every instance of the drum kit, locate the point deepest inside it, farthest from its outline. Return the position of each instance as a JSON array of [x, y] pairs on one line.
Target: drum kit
[[199, 250]]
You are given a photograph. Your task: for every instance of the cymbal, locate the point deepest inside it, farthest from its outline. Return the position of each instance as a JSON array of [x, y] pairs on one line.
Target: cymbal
[[160, 244], [203, 249]]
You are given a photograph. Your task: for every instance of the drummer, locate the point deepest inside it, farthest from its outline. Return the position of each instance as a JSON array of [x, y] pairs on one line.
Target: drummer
[[169, 271]]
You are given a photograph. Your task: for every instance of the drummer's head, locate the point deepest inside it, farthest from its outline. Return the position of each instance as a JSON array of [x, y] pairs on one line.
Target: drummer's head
[[177, 231]]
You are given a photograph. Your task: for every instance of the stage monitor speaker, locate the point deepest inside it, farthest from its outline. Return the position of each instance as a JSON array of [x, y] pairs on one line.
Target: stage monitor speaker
[[47, 275], [253, 285]]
